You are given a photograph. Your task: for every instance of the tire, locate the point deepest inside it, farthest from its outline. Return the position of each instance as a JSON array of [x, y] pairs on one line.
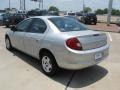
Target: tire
[[48, 64], [8, 43], [7, 26], [95, 23], [84, 21]]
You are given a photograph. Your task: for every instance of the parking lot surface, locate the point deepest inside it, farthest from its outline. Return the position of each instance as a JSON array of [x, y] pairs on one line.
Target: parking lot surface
[[22, 72], [104, 27]]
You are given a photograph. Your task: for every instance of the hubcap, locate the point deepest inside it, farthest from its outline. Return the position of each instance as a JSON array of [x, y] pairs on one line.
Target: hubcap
[[46, 64], [7, 43]]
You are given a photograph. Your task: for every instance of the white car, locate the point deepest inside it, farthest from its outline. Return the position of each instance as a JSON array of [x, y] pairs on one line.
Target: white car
[[118, 22], [58, 42]]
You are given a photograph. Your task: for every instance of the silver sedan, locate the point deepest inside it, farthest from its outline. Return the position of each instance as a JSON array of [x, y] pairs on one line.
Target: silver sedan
[[58, 42]]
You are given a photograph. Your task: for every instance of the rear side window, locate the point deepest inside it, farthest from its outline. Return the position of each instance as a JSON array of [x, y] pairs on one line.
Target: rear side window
[[38, 26]]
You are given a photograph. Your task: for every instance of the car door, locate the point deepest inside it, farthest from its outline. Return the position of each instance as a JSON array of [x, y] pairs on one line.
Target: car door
[[33, 39], [18, 36]]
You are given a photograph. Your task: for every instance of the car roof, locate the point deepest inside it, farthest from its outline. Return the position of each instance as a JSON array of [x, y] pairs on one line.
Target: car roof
[[45, 17]]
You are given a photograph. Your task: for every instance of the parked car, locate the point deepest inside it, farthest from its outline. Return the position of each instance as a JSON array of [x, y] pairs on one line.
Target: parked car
[[73, 17], [54, 13], [118, 22], [79, 16], [37, 13], [71, 13], [58, 42], [14, 19], [89, 18], [1, 19], [5, 17]]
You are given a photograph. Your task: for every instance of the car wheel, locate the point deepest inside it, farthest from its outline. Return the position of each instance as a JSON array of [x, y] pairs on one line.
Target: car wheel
[[95, 23], [7, 26], [8, 43], [49, 65], [84, 22]]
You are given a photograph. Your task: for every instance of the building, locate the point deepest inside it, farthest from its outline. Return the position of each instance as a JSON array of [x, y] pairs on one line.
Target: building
[[11, 10]]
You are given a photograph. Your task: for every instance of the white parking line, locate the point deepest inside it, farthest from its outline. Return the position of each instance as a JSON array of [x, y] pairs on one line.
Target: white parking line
[[110, 37]]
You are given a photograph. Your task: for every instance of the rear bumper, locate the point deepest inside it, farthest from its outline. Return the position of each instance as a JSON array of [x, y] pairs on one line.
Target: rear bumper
[[75, 60]]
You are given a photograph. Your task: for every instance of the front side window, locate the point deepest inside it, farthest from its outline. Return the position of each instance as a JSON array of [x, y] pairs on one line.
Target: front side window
[[23, 26], [65, 24], [38, 26]]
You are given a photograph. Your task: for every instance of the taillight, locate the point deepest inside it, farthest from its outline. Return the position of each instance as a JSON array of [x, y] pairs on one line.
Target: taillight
[[74, 43]]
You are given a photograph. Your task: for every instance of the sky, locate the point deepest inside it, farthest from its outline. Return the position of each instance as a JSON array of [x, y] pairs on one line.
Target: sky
[[63, 5]]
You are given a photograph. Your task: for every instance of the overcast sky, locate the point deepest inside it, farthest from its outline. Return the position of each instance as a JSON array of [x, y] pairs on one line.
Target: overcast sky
[[65, 5]]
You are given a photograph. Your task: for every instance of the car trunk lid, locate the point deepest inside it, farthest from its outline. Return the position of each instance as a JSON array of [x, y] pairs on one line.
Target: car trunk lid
[[90, 39]]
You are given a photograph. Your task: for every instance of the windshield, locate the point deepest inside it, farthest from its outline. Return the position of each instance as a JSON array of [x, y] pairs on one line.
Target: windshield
[[65, 24]]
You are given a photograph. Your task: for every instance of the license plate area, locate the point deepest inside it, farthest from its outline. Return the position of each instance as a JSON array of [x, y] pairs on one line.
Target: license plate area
[[98, 56]]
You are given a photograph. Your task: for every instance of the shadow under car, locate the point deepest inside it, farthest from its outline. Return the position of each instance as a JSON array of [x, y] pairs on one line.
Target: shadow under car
[[77, 79]]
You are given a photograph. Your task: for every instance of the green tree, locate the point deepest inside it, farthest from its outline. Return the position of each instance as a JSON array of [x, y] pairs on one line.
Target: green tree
[[99, 11], [115, 12], [105, 11], [118, 12], [53, 8], [87, 9]]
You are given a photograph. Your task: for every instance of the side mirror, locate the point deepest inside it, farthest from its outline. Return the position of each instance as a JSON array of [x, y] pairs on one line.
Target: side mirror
[[13, 28]]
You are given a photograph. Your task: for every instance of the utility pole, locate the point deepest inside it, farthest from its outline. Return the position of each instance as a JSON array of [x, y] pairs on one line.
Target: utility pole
[[22, 5], [9, 4], [39, 4], [109, 12], [42, 4], [83, 7]]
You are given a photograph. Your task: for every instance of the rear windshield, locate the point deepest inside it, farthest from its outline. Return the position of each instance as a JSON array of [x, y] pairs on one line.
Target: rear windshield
[[65, 24], [91, 14]]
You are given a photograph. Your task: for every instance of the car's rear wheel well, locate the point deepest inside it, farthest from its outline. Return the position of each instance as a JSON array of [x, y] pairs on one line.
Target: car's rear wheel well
[[47, 53], [45, 50], [10, 47], [6, 36]]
